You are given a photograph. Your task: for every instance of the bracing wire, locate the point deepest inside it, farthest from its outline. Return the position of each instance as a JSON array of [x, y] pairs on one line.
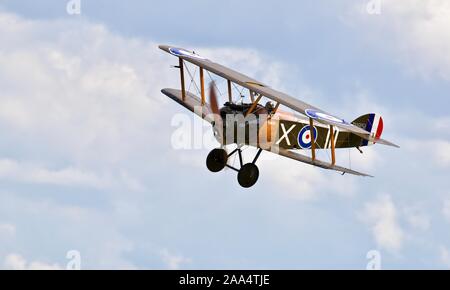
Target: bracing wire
[[215, 85], [349, 159], [192, 79]]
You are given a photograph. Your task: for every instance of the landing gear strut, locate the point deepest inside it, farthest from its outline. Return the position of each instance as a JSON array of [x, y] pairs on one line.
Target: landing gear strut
[[247, 173]]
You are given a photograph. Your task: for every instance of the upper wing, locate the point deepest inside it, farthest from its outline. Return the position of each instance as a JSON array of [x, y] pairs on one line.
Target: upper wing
[[258, 87], [308, 160]]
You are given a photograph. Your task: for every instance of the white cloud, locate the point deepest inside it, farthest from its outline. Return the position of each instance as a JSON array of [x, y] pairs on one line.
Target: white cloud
[[172, 261], [17, 262], [252, 63], [417, 30], [80, 91], [382, 216], [444, 256], [440, 153], [441, 124], [30, 173], [94, 232], [416, 217], [446, 209], [7, 230]]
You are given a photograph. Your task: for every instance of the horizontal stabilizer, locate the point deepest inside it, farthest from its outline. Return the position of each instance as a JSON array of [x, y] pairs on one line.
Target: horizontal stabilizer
[[373, 124], [385, 142]]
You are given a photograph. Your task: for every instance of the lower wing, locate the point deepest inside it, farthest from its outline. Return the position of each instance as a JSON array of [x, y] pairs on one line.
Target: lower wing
[[191, 102], [305, 159]]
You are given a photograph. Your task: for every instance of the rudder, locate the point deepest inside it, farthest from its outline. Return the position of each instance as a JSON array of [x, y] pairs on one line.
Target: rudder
[[372, 123]]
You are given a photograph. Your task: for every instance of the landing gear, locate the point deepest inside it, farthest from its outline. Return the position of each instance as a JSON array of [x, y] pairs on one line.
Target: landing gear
[[217, 160], [247, 173]]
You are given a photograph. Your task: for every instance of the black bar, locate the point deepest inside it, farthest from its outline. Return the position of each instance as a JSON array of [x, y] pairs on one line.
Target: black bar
[[231, 167], [216, 279], [232, 152], [240, 156]]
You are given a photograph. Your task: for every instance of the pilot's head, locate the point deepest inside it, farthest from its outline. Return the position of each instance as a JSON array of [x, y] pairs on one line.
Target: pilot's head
[[269, 106]]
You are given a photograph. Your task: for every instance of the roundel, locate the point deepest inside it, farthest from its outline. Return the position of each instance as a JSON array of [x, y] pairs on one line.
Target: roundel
[[182, 52], [322, 116], [304, 137]]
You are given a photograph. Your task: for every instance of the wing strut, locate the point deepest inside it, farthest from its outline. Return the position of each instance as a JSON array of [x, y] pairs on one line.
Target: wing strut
[[202, 85], [183, 89], [253, 105], [252, 96], [230, 93], [333, 153], [275, 109], [313, 139]]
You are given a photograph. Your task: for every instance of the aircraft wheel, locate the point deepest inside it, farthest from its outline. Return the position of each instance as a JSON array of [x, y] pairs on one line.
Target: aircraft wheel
[[248, 175], [217, 160]]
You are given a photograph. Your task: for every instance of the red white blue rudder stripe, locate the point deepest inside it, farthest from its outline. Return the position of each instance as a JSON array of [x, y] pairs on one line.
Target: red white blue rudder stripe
[[372, 123]]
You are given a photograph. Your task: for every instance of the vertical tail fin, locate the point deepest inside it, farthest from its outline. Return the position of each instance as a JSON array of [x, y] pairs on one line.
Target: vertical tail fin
[[372, 123]]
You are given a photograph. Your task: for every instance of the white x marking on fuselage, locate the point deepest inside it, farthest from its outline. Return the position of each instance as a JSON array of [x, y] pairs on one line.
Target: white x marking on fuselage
[[285, 134]]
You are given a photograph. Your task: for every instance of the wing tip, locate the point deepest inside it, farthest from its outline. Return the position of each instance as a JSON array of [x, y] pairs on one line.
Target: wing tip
[[167, 91], [353, 172], [164, 47]]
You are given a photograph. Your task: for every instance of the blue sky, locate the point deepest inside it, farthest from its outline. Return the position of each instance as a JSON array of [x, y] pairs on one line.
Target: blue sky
[[87, 163]]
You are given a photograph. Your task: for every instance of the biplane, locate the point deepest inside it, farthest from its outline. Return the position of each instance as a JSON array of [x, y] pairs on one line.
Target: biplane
[[266, 126]]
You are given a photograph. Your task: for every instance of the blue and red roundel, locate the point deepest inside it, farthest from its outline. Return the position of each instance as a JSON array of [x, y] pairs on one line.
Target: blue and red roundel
[[314, 114], [304, 137], [182, 52]]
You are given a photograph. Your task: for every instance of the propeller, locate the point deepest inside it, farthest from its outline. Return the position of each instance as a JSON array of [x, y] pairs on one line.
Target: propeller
[[218, 122], [213, 98]]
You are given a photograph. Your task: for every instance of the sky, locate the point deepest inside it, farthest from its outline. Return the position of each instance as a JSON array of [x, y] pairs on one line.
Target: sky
[[87, 162]]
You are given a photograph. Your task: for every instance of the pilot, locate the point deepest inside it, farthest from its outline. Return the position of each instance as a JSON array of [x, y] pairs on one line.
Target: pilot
[[269, 107]]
